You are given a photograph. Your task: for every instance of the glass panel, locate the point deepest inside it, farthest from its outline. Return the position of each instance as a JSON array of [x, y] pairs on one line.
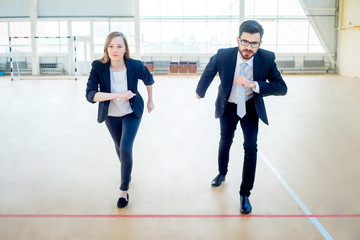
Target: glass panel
[[21, 45], [290, 8], [48, 29], [293, 32], [270, 30], [46, 45], [235, 8], [4, 37], [52, 29], [20, 29], [81, 28], [250, 8], [314, 42], [63, 29], [87, 53], [195, 8], [172, 39], [219, 8], [234, 32], [150, 35], [265, 8], [150, 8], [80, 51], [64, 44], [101, 30], [195, 37], [99, 49], [127, 28], [292, 48], [219, 34], [313, 48], [171, 8], [313, 38], [204, 35], [270, 47]]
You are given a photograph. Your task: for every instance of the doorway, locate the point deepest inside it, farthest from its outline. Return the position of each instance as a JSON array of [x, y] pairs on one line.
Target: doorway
[[83, 55]]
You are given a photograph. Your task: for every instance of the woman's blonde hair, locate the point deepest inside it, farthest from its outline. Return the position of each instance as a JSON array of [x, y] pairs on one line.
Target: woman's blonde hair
[[108, 40]]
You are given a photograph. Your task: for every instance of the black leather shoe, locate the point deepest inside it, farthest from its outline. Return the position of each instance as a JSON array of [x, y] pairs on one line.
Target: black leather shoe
[[218, 180], [122, 202], [245, 206]]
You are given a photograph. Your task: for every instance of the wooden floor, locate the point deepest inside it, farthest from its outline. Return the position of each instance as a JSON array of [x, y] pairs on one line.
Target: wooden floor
[[59, 174]]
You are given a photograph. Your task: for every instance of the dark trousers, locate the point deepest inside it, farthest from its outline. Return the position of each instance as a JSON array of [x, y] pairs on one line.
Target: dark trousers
[[123, 131], [250, 125]]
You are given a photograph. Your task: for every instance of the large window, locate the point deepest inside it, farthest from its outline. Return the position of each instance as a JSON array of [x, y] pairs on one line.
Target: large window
[[4, 37], [286, 27], [128, 29], [52, 37], [188, 26], [80, 28], [20, 29], [102, 29]]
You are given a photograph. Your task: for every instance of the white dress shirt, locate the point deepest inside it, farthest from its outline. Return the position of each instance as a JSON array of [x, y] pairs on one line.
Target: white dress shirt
[[118, 82], [249, 74]]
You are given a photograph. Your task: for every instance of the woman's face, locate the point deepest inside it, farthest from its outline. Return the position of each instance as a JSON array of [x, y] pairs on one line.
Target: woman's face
[[116, 49]]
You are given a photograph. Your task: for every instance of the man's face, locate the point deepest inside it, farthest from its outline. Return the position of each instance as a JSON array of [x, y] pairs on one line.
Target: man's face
[[253, 42]]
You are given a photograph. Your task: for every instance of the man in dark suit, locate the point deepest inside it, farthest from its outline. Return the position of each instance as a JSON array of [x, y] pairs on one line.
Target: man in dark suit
[[247, 74]]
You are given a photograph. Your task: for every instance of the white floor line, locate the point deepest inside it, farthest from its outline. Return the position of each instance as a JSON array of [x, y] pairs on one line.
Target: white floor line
[[317, 224]]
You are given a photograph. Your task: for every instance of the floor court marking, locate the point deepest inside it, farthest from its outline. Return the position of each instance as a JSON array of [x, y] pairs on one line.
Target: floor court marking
[[179, 216], [305, 209]]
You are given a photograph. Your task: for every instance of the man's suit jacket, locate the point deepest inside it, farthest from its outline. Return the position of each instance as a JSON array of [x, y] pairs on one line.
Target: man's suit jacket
[[265, 73], [99, 80]]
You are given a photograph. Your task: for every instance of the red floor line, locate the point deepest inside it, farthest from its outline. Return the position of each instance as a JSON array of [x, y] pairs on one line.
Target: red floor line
[[179, 216]]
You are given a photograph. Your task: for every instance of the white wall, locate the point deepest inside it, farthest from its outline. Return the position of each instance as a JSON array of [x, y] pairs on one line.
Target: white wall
[[87, 8], [14, 8], [69, 8], [349, 39]]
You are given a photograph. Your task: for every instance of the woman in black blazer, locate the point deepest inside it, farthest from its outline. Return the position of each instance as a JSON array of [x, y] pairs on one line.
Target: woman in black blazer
[[113, 83]]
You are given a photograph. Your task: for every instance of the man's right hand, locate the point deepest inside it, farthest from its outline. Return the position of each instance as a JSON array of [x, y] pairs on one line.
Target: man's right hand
[[197, 95]]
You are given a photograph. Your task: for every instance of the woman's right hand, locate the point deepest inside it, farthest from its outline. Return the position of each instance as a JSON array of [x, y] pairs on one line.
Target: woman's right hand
[[126, 95]]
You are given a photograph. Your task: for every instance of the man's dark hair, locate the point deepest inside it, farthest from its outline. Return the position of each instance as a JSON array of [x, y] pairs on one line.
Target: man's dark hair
[[251, 26]]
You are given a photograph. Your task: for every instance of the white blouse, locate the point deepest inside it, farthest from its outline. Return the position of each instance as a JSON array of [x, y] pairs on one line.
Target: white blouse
[[118, 82]]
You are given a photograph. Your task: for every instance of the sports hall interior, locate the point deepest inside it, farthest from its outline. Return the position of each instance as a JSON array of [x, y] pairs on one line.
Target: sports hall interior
[[59, 173]]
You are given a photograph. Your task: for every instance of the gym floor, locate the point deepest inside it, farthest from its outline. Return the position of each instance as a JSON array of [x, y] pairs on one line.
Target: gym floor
[[59, 174]]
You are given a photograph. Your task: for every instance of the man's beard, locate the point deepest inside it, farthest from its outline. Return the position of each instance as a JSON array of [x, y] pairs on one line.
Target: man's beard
[[245, 56]]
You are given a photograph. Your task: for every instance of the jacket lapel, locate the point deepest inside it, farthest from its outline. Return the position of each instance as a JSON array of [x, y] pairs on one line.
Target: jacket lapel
[[231, 63], [106, 76], [130, 75], [256, 67]]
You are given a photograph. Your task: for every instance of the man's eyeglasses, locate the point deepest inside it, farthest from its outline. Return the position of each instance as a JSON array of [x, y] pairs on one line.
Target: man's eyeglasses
[[246, 43]]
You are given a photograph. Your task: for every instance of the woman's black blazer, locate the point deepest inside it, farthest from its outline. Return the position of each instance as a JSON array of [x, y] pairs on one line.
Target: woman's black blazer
[[99, 80]]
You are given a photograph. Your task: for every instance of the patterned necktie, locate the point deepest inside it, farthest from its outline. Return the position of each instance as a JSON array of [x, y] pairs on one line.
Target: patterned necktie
[[241, 107]]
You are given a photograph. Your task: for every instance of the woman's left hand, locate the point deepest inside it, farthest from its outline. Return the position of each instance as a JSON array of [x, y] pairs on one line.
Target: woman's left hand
[[150, 106]]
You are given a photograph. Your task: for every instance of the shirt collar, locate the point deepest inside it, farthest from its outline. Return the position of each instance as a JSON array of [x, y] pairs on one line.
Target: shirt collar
[[240, 61]]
